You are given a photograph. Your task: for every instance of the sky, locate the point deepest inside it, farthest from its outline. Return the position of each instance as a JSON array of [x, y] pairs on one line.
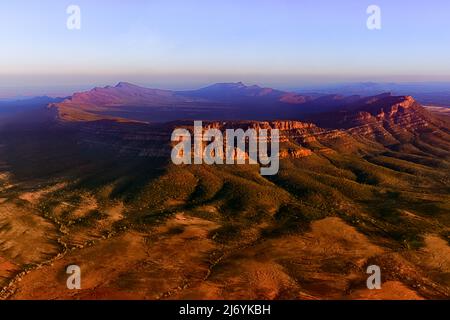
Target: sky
[[183, 44]]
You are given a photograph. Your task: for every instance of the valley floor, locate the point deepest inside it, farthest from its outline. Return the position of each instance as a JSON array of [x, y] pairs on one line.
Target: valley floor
[[192, 252]]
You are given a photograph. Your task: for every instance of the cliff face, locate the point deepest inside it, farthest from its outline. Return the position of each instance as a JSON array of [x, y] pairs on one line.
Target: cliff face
[[134, 139], [385, 119], [154, 140], [402, 111], [297, 139]]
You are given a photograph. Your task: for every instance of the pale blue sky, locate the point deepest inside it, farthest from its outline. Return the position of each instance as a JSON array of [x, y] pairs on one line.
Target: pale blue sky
[[187, 43]]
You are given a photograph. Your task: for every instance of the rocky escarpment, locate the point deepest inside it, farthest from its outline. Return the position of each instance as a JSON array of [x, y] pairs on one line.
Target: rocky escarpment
[[394, 112], [146, 140], [129, 139], [385, 118]]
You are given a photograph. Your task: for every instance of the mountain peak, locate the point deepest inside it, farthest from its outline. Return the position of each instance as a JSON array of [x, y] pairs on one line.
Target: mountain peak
[[125, 85], [228, 85]]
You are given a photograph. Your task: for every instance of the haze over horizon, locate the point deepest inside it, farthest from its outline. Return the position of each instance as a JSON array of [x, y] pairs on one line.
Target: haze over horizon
[[189, 44]]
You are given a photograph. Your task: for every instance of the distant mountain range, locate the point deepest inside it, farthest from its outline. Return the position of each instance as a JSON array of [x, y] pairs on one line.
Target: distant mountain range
[[220, 101], [428, 93], [126, 102]]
